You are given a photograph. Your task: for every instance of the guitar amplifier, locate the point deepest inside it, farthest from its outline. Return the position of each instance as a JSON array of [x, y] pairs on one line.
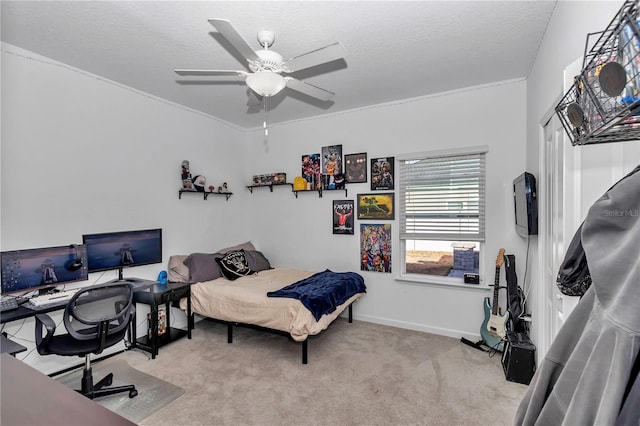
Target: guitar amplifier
[[518, 358]]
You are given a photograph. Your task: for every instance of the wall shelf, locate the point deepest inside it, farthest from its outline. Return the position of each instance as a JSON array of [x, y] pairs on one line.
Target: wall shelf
[[205, 195], [320, 191], [251, 187]]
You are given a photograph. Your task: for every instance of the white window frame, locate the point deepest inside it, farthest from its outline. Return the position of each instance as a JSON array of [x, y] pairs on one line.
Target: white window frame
[[403, 235]]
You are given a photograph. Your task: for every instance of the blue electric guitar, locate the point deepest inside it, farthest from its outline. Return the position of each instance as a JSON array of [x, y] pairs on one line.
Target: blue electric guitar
[[494, 326]]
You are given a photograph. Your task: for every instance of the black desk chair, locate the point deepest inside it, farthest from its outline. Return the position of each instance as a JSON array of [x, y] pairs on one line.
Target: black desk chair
[[96, 318]]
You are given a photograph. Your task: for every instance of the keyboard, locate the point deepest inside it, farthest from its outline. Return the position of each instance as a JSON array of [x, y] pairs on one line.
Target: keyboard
[[8, 304], [51, 298]]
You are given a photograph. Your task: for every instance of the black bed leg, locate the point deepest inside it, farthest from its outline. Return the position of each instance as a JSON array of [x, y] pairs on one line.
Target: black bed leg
[[229, 333], [304, 351], [351, 313]]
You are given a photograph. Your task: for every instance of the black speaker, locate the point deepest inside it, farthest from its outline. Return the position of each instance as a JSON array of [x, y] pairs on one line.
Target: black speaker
[[519, 358]]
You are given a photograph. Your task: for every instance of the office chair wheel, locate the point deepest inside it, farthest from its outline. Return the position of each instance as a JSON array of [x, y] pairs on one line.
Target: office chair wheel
[[109, 381], [133, 393]]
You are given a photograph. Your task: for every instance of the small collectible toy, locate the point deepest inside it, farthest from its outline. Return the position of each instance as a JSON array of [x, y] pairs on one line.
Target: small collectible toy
[[187, 183]]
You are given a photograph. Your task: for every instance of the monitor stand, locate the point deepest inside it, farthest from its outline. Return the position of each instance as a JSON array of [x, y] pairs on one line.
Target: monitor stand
[[48, 290]]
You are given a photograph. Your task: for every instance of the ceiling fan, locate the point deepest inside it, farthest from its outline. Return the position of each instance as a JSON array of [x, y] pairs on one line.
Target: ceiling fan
[[267, 66]]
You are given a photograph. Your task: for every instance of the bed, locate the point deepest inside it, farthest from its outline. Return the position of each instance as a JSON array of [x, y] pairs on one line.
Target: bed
[[263, 297]]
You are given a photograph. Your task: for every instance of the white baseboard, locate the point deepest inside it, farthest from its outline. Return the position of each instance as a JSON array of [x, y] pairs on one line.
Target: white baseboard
[[418, 327]]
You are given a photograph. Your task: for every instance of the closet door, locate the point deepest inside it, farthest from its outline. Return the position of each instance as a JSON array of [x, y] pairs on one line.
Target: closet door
[[572, 179]]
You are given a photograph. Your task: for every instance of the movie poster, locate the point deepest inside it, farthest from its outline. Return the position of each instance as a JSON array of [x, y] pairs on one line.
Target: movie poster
[[343, 217], [375, 247], [382, 173]]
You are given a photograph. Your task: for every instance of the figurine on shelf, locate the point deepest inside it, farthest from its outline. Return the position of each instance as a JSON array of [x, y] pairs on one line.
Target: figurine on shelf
[[187, 184], [338, 180], [225, 188], [211, 188], [220, 189]]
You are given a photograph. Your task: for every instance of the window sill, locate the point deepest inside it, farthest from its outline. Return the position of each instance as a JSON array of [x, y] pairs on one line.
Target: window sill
[[441, 282]]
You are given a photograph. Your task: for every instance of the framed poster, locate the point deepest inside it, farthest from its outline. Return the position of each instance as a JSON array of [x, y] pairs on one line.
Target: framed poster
[[343, 217], [382, 173], [375, 247], [332, 160], [311, 169], [376, 206], [355, 167]]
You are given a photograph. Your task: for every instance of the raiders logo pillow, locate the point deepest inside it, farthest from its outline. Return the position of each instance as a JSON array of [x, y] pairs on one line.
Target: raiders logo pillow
[[234, 265]]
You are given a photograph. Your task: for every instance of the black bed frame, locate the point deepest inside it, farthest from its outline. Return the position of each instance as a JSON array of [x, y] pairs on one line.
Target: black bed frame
[[305, 349]]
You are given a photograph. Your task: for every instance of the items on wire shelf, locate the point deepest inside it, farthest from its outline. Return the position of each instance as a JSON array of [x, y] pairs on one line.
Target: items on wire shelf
[[603, 104]]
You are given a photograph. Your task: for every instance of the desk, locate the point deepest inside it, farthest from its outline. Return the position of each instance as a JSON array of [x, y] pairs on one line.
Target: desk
[[32, 398], [28, 311], [9, 346]]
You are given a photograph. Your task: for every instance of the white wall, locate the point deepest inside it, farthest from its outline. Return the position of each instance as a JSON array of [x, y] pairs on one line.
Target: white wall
[[298, 231], [563, 43], [81, 154]]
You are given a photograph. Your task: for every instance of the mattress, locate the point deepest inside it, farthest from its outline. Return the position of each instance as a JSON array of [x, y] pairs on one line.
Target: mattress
[[245, 301]]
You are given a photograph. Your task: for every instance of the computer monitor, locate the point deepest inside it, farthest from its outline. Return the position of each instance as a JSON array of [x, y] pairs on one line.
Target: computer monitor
[[117, 250], [43, 268]]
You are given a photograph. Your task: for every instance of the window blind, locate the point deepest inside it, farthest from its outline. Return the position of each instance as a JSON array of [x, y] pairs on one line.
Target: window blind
[[442, 197]]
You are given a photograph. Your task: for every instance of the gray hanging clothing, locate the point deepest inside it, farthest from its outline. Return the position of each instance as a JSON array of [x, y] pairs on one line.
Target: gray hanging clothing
[[584, 377]]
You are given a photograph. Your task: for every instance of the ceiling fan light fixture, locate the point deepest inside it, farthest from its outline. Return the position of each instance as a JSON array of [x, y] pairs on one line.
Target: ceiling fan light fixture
[[266, 83]]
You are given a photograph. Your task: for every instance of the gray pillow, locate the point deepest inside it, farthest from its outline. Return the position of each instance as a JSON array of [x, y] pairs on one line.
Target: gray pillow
[[256, 260], [244, 246], [202, 267], [178, 271]]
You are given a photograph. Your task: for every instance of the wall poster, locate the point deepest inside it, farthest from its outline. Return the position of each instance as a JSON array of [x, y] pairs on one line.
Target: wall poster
[[375, 247], [382, 173], [311, 170], [379, 206], [332, 167], [343, 217], [355, 167]]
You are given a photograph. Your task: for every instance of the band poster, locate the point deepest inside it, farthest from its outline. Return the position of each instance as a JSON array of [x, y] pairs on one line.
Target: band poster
[[343, 217], [375, 247]]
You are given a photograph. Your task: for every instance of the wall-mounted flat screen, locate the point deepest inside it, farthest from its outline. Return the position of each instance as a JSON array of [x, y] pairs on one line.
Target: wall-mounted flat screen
[[42, 268], [525, 202], [117, 250]]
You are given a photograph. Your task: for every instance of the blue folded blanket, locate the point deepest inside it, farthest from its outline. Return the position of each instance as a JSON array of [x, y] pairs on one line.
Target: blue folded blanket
[[322, 292]]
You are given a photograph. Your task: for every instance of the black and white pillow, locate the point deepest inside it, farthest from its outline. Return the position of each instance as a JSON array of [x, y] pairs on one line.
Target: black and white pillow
[[234, 265]]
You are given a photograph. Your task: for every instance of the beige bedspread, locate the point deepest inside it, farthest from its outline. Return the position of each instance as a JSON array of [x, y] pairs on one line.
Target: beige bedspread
[[245, 301]]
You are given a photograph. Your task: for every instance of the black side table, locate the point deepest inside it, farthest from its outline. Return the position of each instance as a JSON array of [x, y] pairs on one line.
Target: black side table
[[156, 296]]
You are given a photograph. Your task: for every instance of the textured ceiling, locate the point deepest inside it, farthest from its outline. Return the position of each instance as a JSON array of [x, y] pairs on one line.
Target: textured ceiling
[[396, 50]]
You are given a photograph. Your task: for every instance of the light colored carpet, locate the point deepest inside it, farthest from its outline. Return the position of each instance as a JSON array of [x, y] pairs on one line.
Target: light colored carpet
[[358, 374], [153, 393]]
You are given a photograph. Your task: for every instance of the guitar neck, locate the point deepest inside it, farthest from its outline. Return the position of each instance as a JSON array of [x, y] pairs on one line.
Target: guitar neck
[[496, 289]]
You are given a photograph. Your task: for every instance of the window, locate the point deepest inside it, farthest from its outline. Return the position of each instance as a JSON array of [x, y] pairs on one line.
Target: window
[[442, 212]]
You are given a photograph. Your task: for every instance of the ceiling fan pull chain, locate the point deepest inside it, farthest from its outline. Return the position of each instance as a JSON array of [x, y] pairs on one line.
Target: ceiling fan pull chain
[[264, 123]]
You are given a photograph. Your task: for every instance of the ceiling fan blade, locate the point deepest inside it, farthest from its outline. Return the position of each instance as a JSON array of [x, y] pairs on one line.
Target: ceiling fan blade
[[309, 89], [315, 57], [211, 72], [229, 32]]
